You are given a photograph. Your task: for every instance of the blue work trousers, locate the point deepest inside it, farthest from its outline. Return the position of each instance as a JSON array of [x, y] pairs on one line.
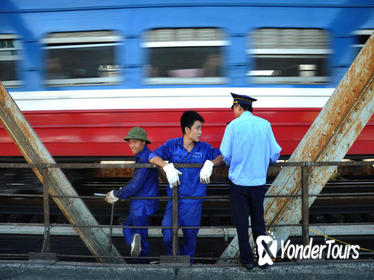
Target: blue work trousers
[[247, 201], [189, 215], [128, 233]]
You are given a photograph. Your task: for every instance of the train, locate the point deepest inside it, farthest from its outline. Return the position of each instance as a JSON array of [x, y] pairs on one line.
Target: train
[[84, 72]]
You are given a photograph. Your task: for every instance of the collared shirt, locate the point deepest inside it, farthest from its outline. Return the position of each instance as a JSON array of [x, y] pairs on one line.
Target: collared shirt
[[248, 146], [143, 183], [174, 151]]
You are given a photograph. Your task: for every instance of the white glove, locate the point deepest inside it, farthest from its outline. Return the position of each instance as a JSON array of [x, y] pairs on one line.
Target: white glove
[[206, 172], [111, 198], [172, 174]]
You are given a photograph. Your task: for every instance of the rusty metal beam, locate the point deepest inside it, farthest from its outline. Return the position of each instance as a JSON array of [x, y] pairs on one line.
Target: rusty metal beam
[[35, 152], [329, 138]]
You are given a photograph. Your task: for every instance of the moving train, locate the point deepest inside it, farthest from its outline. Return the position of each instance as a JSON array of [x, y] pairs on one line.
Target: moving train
[[85, 72]]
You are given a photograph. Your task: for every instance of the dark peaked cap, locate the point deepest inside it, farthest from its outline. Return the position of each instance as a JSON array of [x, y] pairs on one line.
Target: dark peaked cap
[[242, 99]]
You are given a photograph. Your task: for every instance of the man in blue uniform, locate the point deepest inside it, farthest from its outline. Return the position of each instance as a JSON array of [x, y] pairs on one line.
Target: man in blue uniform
[[144, 183], [248, 146], [186, 149]]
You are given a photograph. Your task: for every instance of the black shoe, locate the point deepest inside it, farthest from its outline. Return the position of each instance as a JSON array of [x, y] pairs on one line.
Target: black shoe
[[248, 266], [265, 266]]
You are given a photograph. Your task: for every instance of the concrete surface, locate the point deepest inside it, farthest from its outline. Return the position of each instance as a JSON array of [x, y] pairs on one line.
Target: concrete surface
[[29, 270]]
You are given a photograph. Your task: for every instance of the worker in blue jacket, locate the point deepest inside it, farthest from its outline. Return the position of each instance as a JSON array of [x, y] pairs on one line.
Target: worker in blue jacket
[[191, 181], [144, 183]]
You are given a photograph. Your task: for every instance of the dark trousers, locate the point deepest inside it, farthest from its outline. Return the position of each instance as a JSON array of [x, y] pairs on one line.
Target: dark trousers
[[247, 201], [189, 215]]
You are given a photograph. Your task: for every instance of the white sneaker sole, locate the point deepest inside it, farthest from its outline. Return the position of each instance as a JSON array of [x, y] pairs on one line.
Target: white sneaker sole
[[135, 245]]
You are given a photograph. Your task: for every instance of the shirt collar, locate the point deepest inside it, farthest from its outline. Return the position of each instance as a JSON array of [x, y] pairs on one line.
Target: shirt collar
[[246, 114], [180, 143], [145, 149]]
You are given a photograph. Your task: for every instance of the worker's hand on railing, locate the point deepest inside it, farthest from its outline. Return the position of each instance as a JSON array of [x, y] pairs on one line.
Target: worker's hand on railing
[[172, 175], [206, 172], [111, 198]]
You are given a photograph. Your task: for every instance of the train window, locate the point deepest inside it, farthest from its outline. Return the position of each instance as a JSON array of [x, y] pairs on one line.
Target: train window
[[288, 56], [361, 36], [9, 57], [184, 56], [81, 58]]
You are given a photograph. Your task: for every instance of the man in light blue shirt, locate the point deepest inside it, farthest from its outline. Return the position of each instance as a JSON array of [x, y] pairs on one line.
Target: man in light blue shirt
[[248, 146]]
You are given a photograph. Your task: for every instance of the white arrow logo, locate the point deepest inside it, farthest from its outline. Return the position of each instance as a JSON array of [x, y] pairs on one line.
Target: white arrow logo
[[263, 254]]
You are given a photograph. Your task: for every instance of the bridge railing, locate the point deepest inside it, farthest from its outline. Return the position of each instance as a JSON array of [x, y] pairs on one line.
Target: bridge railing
[[45, 251]]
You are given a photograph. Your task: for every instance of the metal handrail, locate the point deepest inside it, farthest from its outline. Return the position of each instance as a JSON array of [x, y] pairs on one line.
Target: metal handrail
[[47, 225]]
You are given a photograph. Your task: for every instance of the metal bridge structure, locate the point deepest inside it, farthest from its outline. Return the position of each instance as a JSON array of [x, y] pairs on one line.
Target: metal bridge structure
[[327, 141], [329, 138]]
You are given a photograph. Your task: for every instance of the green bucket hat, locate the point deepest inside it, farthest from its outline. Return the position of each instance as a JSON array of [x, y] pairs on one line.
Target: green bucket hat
[[137, 133]]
